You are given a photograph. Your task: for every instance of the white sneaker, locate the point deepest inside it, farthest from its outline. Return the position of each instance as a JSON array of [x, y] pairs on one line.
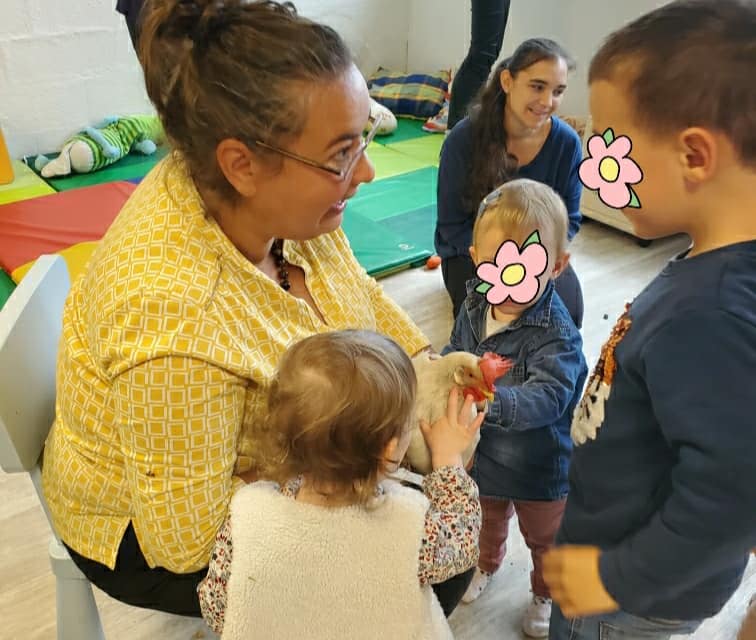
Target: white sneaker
[[477, 584], [535, 624]]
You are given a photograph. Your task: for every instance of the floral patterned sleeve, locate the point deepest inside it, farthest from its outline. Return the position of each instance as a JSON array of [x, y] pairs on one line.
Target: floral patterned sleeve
[[452, 525], [212, 590]]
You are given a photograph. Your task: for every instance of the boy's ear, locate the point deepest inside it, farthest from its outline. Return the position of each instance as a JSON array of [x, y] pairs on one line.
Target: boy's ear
[[561, 264], [473, 255], [698, 154]]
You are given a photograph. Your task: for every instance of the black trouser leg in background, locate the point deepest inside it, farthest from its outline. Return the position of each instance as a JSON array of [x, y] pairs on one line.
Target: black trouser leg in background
[[568, 287], [489, 21], [456, 272]]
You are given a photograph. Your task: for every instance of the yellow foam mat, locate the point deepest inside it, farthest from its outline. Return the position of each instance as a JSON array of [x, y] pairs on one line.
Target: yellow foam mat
[[76, 257], [390, 162], [26, 185], [425, 150]]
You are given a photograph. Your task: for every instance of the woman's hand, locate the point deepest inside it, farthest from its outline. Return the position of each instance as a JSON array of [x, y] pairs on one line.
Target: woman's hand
[[450, 436]]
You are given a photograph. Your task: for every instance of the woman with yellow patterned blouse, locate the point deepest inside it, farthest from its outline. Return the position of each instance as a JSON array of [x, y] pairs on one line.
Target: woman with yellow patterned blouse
[[227, 253]]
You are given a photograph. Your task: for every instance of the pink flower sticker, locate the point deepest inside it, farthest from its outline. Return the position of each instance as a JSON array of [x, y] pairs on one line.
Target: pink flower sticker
[[608, 170], [514, 272]]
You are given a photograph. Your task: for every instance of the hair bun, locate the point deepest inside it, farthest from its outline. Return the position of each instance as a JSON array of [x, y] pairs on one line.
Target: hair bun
[[197, 20]]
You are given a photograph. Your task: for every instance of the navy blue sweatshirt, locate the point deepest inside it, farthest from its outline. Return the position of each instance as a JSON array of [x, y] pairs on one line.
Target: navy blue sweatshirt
[[556, 165], [668, 488]]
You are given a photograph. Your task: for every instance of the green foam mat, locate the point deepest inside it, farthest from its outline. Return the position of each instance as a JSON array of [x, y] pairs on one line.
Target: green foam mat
[[131, 167], [390, 222], [426, 149], [6, 287], [406, 129], [379, 248], [389, 162], [398, 194]]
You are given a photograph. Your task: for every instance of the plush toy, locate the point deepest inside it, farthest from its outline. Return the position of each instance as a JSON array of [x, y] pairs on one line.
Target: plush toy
[[98, 147], [388, 119]]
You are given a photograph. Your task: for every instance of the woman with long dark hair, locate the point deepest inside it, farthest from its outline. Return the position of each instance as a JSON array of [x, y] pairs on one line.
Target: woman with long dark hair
[[511, 132]]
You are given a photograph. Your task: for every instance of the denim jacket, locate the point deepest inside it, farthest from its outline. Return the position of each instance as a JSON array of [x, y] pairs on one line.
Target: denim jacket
[[525, 443]]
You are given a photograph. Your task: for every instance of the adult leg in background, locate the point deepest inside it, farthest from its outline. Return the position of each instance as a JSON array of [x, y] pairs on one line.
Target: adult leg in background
[[568, 287], [456, 272], [130, 9], [489, 21]]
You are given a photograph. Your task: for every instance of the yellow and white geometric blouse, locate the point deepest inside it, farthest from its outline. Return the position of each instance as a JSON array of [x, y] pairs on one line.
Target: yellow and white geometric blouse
[[170, 340]]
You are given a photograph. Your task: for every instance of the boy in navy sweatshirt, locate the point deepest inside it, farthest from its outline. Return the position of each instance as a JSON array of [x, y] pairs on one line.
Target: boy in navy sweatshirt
[[661, 513]]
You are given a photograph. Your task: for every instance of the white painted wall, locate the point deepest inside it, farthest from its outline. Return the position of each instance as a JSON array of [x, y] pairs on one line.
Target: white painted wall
[[439, 30], [63, 65], [375, 30], [440, 33], [67, 64], [586, 24]]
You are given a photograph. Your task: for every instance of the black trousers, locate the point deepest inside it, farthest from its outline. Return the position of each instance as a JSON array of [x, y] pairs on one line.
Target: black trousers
[[489, 21], [135, 583], [457, 271]]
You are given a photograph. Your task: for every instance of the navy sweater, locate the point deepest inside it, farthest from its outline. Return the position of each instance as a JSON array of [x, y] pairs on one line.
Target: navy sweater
[[556, 165], [668, 487]]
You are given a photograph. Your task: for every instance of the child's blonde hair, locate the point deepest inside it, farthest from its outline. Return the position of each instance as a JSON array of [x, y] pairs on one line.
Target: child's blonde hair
[[337, 400], [524, 206]]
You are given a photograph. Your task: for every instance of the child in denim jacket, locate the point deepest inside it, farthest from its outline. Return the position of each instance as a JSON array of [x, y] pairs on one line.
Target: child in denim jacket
[[521, 464]]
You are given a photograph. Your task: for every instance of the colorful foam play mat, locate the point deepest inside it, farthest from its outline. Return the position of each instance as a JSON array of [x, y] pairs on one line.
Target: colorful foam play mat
[[389, 222]]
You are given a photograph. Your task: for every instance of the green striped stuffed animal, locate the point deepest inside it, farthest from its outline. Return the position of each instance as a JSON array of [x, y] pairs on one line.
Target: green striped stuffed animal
[[98, 147]]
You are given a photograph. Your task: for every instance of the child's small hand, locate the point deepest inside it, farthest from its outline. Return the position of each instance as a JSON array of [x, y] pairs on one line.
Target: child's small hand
[[451, 435], [572, 574]]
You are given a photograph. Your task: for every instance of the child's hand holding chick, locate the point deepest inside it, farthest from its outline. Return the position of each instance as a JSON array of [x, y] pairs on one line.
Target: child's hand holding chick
[[452, 434]]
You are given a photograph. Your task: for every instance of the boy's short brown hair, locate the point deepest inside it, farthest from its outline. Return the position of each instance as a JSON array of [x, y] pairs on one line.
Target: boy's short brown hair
[[337, 400], [689, 63]]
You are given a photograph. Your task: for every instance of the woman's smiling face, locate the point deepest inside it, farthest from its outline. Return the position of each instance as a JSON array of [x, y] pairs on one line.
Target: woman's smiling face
[[535, 93]]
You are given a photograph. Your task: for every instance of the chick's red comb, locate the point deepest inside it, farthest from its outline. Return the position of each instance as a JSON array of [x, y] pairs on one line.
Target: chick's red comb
[[493, 366]]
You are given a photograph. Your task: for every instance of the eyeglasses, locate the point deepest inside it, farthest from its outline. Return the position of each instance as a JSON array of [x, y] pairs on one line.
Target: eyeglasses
[[337, 167]]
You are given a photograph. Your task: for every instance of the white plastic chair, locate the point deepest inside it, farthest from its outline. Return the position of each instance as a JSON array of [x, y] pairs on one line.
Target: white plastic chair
[[30, 328]]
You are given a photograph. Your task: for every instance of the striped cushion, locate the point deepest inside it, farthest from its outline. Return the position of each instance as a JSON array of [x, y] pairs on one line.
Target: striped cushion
[[414, 95]]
